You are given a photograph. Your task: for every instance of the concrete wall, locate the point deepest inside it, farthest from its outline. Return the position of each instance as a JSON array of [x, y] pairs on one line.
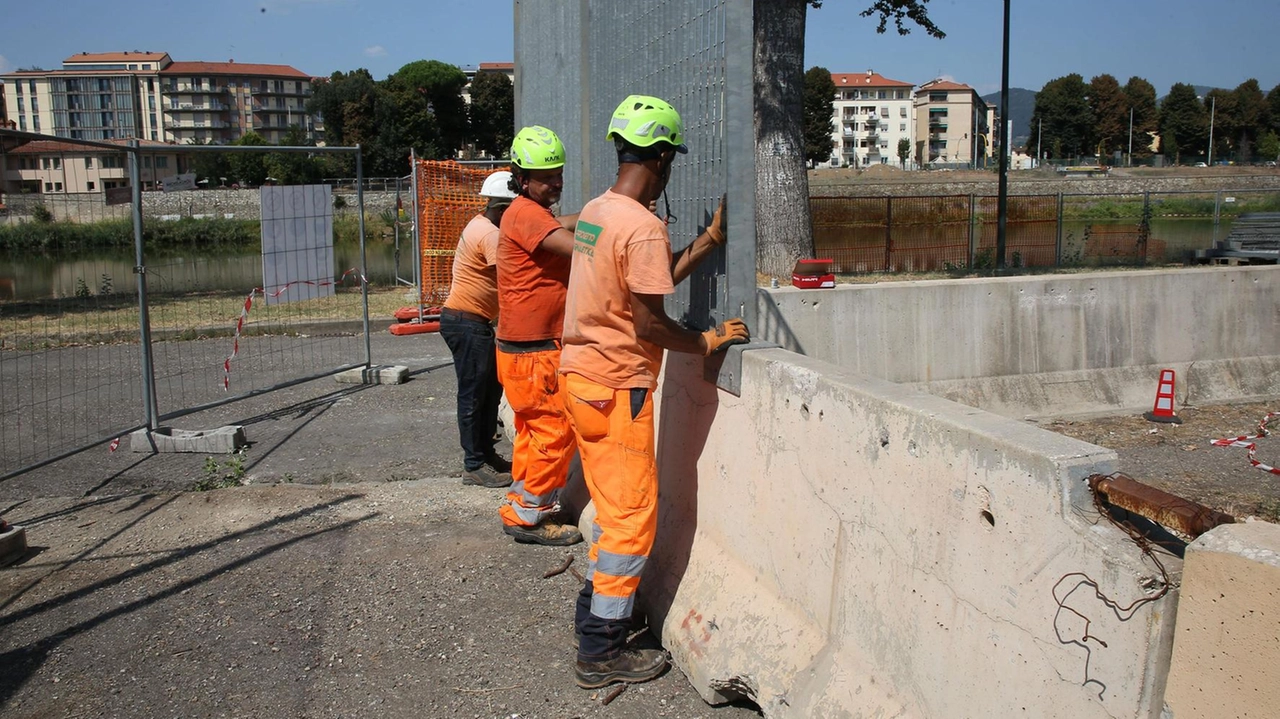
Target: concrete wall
[[1226, 662], [1059, 344], [831, 544]]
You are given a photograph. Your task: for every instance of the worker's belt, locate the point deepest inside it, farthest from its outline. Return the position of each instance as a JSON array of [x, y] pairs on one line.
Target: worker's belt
[[518, 348], [463, 315]]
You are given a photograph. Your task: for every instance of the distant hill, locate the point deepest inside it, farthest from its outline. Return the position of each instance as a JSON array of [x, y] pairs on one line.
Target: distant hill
[[1022, 105]]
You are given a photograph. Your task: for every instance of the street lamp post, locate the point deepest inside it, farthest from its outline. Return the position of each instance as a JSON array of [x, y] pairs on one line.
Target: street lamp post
[[1213, 107], [1039, 139], [1130, 163], [1002, 201]]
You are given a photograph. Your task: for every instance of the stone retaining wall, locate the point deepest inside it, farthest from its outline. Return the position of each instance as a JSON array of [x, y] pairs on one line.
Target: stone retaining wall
[[1098, 185]]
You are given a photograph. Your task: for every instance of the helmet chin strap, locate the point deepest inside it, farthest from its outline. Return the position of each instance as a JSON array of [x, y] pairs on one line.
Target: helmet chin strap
[[670, 219]]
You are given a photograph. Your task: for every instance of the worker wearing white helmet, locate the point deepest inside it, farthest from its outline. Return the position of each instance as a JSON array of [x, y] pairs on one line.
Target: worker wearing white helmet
[[466, 323]]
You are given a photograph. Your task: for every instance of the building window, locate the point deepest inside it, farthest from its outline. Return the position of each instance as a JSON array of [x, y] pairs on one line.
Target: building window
[[88, 163], [22, 122], [146, 161], [882, 95], [48, 187], [902, 127], [151, 84], [31, 85], [146, 66], [91, 186], [35, 123], [884, 111], [17, 84], [35, 102], [937, 97], [902, 111], [57, 187], [46, 163], [162, 163], [21, 102], [133, 66]]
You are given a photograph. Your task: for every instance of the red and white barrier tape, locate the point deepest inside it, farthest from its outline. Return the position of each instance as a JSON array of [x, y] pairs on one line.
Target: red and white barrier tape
[[248, 305], [1244, 441]]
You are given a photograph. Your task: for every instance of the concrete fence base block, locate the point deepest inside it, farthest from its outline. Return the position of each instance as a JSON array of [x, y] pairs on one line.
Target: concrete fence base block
[[223, 440], [377, 374], [13, 544]]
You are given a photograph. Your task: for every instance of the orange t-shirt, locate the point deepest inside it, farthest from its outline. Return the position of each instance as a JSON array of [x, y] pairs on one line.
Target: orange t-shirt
[[531, 279], [619, 248], [475, 270]]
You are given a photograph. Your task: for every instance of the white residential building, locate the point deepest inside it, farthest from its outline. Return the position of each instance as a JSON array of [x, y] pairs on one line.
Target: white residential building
[[872, 114]]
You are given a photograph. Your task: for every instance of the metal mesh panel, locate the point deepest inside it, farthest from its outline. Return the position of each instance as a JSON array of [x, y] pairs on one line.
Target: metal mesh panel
[[678, 50]]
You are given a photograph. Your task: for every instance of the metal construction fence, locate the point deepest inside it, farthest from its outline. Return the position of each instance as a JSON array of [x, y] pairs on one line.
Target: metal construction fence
[[697, 54], [956, 232], [125, 304]]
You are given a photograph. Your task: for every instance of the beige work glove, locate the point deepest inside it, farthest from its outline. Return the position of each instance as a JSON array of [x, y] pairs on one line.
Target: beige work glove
[[729, 332], [719, 224]]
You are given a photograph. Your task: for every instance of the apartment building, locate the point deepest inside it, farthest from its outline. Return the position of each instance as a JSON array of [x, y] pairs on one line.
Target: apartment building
[[52, 167], [148, 96], [95, 96], [218, 102], [872, 114], [952, 125]]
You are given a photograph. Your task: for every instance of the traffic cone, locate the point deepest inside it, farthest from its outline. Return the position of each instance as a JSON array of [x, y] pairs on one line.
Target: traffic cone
[[1163, 409]]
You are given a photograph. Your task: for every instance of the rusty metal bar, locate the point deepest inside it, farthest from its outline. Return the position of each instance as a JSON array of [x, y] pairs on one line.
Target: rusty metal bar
[[1166, 509]]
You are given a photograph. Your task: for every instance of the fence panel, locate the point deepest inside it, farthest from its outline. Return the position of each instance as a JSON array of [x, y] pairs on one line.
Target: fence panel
[[255, 277], [1031, 228], [70, 367]]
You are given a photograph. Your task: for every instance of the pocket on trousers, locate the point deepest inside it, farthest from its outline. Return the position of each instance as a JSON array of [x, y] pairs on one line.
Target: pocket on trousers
[[589, 407], [515, 371]]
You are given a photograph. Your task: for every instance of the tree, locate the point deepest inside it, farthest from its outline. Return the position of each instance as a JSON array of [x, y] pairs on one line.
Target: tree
[[904, 151], [440, 86], [1273, 108], [784, 229], [1250, 117], [1110, 114], [1063, 114], [1141, 96], [293, 168], [819, 89], [249, 168], [1269, 146], [1184, 124], [212, 167], [493, 114], [342, 100], [1220, 109]]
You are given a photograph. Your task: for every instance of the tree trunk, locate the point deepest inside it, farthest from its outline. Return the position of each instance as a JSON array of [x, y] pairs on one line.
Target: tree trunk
[[784, 229]]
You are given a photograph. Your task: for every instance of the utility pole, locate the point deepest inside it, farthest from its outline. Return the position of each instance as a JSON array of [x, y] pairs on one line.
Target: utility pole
[[1039, 137], [1130, 163], [1002, 201], [1213, 107]]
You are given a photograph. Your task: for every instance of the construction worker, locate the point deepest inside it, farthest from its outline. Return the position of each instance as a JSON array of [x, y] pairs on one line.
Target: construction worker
[[533, 273], [616, 328], [466, 323]]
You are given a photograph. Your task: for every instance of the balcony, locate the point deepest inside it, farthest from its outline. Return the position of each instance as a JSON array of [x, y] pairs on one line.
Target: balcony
[[195, 89], [258, 91], [191, 107], [936, 128], [279, 110], [205, 125]]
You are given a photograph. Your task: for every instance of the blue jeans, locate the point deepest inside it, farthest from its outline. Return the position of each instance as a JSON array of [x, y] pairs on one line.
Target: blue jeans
[[474, 361]]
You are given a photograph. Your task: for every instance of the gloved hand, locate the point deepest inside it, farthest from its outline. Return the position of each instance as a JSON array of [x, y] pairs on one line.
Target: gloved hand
[[729, 332], [719, 224]]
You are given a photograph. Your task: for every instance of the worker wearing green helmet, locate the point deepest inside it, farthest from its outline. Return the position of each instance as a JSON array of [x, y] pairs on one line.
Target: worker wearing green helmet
[[615, 331], [533, 273]]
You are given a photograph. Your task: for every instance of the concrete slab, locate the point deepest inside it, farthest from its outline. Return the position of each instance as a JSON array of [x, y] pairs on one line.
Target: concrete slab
[[1226, 662], [377, 374], [13, 544], [223, 440]]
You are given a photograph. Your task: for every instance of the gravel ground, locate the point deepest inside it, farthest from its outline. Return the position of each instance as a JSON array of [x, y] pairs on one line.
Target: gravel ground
[[1179, 458], [349, 573]]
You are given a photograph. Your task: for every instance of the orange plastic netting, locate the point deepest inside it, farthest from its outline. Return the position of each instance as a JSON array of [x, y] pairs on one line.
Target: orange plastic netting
[[447, 200]]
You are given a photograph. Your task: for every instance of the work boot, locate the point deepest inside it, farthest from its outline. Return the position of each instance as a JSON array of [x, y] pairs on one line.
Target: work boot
[[498, 462], [632, 666], [486, 476], [550, 533]]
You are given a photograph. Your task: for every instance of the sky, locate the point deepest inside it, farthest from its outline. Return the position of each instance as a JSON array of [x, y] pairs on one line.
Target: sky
[[1218, 43]]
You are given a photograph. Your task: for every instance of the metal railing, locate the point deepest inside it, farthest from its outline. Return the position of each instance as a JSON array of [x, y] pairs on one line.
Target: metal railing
[[101, 334], [957, 232]]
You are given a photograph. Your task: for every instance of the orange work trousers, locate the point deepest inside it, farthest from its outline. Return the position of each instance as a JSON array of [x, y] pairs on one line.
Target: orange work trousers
[[614, 428], [543, 444]]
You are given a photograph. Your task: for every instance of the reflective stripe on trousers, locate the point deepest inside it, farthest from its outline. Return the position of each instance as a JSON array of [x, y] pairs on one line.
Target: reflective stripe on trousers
[[543, 444]]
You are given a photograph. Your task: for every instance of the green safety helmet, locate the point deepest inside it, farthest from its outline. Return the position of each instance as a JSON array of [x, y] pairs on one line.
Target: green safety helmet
[[537, 148], [643, 120]]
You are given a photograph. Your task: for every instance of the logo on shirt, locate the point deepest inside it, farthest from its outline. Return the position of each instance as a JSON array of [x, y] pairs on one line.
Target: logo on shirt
[[585, 236]]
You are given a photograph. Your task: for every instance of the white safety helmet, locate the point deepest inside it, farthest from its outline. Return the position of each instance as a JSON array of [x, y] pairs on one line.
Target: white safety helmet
[[498, 185]]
